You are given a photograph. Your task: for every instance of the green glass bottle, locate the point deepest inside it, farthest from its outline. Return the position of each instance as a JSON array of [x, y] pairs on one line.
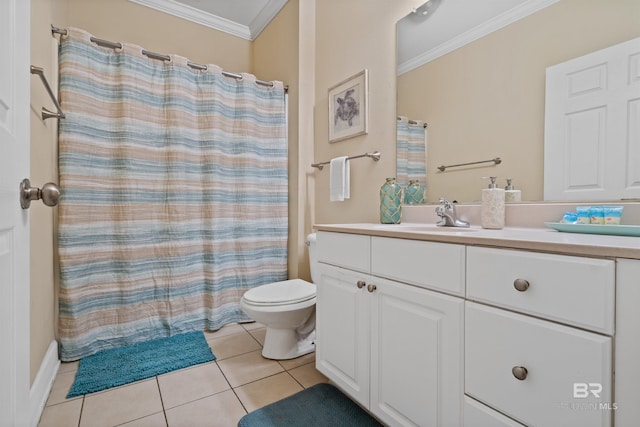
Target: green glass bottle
[[390, 198], [414, 193]]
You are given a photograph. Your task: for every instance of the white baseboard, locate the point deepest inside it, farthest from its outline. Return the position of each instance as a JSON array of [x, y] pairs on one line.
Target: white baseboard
[[42, 384]]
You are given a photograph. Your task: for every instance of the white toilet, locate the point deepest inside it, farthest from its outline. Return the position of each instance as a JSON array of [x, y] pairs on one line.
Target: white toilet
[[288, 310]]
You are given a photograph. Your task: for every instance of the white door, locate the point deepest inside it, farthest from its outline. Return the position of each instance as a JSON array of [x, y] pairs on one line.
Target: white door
[[592, 126], [14, 222]]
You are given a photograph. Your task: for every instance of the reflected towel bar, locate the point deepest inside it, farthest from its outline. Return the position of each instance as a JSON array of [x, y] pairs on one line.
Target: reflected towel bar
[[375, 156], [46, 113], [495, 161]]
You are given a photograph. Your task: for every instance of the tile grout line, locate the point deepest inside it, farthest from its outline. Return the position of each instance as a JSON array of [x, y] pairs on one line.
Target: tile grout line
[[233, 390], [164, 411], [81, 410]]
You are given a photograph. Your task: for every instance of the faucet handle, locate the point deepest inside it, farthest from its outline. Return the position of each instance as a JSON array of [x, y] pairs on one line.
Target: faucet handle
[[447, 203]]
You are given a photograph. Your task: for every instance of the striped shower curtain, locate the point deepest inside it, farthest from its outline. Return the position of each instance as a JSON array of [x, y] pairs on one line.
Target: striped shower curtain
[[411, 151], [174, 195]]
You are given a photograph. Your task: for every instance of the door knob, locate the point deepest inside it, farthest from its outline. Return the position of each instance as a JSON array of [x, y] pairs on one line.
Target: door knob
[[371, 287], [361, 284], [49, 194]]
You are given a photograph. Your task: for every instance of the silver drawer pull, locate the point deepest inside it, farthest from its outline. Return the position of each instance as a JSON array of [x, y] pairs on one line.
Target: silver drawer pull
[[361, 284], [521, 284], [520, 372], [371, 287]]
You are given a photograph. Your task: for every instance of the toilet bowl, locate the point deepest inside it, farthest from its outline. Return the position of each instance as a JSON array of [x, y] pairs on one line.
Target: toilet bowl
[[288, 310]]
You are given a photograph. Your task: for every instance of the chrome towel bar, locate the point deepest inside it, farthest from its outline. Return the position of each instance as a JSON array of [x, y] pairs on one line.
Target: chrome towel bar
[[375, 156], [495, 161], [46, 113]]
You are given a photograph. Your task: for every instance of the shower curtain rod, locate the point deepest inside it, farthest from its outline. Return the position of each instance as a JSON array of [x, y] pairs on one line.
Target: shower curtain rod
[[413, 122], [153, 55]]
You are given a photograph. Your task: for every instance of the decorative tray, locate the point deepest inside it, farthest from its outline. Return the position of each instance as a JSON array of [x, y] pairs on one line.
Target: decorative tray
[[615, 230]]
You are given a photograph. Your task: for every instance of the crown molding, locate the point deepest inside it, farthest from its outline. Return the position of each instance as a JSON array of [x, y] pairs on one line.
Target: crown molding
[[488, 27], [265, 16], [192, 14]]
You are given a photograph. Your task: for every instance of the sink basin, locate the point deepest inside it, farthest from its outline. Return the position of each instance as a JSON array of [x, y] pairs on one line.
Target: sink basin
[[426, 228], [435, 229]]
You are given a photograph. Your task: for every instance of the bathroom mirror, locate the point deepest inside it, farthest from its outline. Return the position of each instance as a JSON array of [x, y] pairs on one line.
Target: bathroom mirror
[[480, 86]]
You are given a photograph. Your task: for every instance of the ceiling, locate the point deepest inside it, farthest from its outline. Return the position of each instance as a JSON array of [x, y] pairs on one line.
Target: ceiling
[[242, 18], [423, 38]]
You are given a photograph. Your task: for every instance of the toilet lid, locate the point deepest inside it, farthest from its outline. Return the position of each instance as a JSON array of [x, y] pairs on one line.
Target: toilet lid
[[285, 292]]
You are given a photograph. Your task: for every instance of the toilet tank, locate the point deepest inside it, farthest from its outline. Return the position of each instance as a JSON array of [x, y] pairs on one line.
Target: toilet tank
[[313, 256]]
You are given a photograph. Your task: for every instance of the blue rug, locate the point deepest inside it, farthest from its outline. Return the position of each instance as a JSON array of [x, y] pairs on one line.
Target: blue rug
[[322, 405], [118, 366]]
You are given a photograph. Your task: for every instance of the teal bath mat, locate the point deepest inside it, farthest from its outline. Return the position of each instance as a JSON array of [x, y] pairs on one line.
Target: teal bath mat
[[118, 366], [322, 405]]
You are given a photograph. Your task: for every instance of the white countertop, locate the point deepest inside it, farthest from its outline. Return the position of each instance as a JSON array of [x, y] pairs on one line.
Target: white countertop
[[535, 239]]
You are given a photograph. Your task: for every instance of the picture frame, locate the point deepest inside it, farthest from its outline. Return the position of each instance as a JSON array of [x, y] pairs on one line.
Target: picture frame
[[349, 108]]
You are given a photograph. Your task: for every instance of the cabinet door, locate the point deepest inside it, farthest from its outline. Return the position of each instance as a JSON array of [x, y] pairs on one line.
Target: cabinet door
[[416, 355], [342, 330]]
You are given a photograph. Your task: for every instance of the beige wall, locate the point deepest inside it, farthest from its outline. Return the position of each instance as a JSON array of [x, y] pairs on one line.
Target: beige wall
[[487, 98], [351, 36], [276, 57]]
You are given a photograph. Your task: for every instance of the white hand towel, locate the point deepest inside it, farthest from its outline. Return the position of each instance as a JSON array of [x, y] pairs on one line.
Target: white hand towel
[[339, 179], [347, 183]]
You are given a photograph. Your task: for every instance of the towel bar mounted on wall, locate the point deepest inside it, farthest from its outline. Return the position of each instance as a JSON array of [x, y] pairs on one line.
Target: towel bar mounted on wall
[[375, 156], [495, 161], [46, 113]]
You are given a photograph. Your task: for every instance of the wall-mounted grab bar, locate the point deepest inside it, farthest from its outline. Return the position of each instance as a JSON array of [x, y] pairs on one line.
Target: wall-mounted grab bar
[[495, 161], [46, 113], [375, 156]]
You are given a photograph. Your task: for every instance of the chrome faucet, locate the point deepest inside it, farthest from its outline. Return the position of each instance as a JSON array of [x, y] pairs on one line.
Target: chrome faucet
[[448, 217]]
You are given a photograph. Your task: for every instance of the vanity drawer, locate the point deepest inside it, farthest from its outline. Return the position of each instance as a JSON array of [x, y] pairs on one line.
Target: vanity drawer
[[351, 251], [555, 357], [478, 415], [573, 290], [438, 266]]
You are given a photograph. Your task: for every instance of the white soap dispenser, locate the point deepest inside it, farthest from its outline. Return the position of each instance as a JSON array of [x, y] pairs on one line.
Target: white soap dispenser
[[492, 210], [511, 195]]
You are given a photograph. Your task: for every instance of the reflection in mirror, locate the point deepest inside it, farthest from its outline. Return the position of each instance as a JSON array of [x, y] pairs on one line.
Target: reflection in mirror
[[483, 92], [411, 166]]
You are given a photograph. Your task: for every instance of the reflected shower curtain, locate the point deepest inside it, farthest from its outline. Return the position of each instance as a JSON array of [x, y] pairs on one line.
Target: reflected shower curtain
[[174, 195], [411, 151]]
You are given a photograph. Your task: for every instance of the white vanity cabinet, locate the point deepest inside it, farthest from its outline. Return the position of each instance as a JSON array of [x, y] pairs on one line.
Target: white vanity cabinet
[[470, 331], [394, 347]]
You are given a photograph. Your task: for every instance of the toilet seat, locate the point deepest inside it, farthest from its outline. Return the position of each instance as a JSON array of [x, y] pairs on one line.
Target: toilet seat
[[281, 293]]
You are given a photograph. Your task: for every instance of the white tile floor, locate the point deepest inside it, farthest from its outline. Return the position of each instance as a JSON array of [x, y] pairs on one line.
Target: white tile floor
[[218, 393]]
